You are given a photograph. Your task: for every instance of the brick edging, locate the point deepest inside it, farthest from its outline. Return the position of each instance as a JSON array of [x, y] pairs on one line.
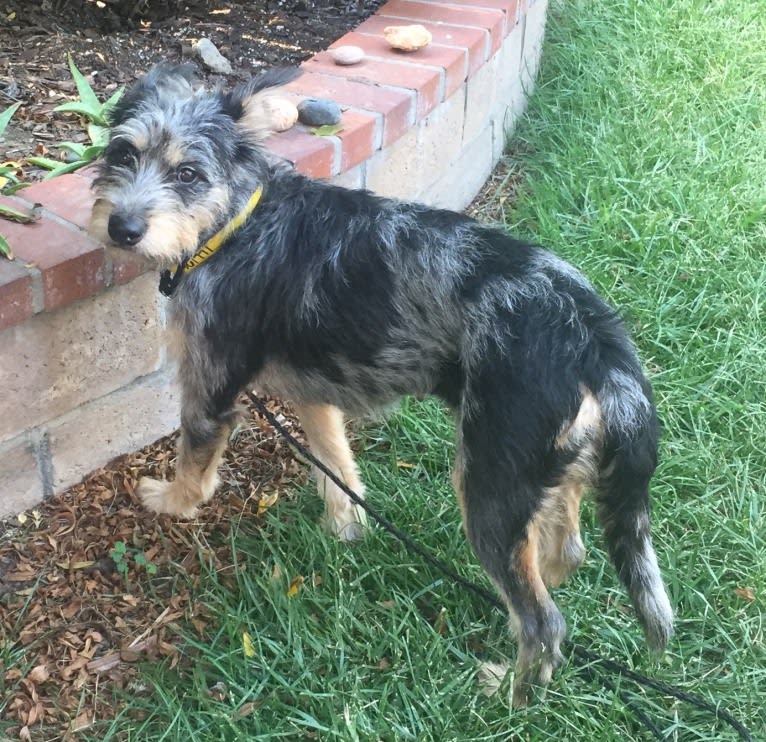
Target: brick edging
[[427, 126]]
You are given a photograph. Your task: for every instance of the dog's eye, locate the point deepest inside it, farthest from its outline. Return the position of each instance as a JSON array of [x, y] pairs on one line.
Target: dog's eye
[[121, 155], [187, 175]]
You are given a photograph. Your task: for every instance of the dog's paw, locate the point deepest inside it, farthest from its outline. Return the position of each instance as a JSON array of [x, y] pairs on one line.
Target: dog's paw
[[347, 524], [165, 497]]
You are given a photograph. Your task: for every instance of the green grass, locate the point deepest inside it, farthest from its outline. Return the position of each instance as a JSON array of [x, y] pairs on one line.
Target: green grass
[[641, 160]]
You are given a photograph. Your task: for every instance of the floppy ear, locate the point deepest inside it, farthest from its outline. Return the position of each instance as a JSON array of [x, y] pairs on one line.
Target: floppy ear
[[248, 104], [162, 80]]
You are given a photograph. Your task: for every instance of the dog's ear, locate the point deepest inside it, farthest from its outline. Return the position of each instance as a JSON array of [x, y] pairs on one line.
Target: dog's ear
[[163, 80], [248, 104]]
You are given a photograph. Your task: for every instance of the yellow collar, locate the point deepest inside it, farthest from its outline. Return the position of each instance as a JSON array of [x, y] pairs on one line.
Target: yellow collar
[[169, 283]]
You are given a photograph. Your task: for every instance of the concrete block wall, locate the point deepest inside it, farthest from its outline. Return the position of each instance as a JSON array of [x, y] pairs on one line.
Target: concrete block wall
[[84, 374]]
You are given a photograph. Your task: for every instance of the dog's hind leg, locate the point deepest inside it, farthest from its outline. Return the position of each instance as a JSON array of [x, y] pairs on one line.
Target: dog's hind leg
[[509, 551], [504, 519], [323, 425]]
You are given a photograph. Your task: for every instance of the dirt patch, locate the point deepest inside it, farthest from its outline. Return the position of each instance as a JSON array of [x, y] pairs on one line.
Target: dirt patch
[[113, 41], [91, 583]]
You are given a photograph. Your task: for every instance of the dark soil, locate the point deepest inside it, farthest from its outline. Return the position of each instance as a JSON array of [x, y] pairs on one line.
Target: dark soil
[[113, 41]]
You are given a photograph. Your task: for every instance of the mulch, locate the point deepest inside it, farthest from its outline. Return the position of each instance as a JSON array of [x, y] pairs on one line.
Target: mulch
[[91, 583], [113, 42]]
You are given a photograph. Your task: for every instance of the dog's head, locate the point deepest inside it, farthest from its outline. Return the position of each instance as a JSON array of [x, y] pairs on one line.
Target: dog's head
[[180, 161]]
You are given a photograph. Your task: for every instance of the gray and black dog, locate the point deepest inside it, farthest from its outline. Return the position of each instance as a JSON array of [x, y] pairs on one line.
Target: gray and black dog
[[341, 301]]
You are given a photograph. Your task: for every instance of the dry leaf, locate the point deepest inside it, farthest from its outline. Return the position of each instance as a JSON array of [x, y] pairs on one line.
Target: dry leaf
[[295, 585], [84, 719], [38, 674], [247, 645], [405, 465], [745, 592], [266, 502], [245, 710]]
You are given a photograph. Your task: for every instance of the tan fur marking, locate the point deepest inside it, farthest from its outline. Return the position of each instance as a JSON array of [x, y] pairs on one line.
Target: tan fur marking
[[174, 154], [98, 226], [526, 562], [557, 523], [587, 422], [323, 425], [457, 482], [258, 117], [170, 233]]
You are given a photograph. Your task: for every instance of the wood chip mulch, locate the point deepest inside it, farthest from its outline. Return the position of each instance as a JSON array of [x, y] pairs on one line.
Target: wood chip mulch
[[91, 583]]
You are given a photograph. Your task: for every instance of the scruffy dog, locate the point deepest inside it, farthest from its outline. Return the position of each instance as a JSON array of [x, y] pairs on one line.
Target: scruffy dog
[[339, 300]]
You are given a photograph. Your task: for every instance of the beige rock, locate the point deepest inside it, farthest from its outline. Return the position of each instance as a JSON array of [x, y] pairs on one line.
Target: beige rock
[[282, 113], [347, 54], [407, 38]]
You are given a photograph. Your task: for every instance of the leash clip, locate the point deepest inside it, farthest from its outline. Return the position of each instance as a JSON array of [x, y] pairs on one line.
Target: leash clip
[[169, 281]]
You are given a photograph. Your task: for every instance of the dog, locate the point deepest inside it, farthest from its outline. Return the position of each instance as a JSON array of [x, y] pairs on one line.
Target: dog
[[342, 302]]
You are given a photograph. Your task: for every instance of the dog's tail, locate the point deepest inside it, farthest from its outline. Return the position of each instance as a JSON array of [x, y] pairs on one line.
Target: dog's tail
[[631, 434]]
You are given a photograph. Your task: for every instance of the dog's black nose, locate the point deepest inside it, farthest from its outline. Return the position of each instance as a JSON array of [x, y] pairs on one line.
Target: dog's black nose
[[126, 229]]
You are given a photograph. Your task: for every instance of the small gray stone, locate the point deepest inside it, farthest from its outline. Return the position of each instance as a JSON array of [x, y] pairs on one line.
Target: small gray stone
[[318, 112], [347, 54], [211, 57]]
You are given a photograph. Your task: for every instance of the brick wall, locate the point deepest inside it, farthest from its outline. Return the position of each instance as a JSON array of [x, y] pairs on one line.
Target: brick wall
[[83, 372]]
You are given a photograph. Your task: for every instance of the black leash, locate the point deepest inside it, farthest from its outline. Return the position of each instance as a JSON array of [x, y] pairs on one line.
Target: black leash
[[587, 660]]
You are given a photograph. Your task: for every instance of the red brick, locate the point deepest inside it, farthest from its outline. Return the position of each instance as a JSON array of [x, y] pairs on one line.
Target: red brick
[[413, 11], [359, 139], [312, 155], [67, 196], [475, 41], [425, 81], [71, 263], [509, 7], [452, 60], [397, 107], [126, 265], [15, 293]]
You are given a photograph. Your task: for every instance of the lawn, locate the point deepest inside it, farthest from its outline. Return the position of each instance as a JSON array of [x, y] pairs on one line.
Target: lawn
[[641, 160]]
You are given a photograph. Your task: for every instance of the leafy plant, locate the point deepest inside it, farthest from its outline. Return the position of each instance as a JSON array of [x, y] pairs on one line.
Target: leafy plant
[[8, 177], [97, 114], [122, 555], [9, 183]]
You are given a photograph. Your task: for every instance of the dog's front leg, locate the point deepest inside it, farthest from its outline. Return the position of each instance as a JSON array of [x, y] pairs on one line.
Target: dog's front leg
[[196, 474], [205, 427], [323, 425]]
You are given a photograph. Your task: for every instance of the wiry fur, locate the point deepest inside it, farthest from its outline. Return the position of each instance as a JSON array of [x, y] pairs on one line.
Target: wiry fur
[[340, 300]]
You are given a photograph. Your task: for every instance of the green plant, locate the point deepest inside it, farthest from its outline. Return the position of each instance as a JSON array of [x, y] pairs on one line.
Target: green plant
[[97, 115], [122, 555], [8, 178], [9, 183]]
